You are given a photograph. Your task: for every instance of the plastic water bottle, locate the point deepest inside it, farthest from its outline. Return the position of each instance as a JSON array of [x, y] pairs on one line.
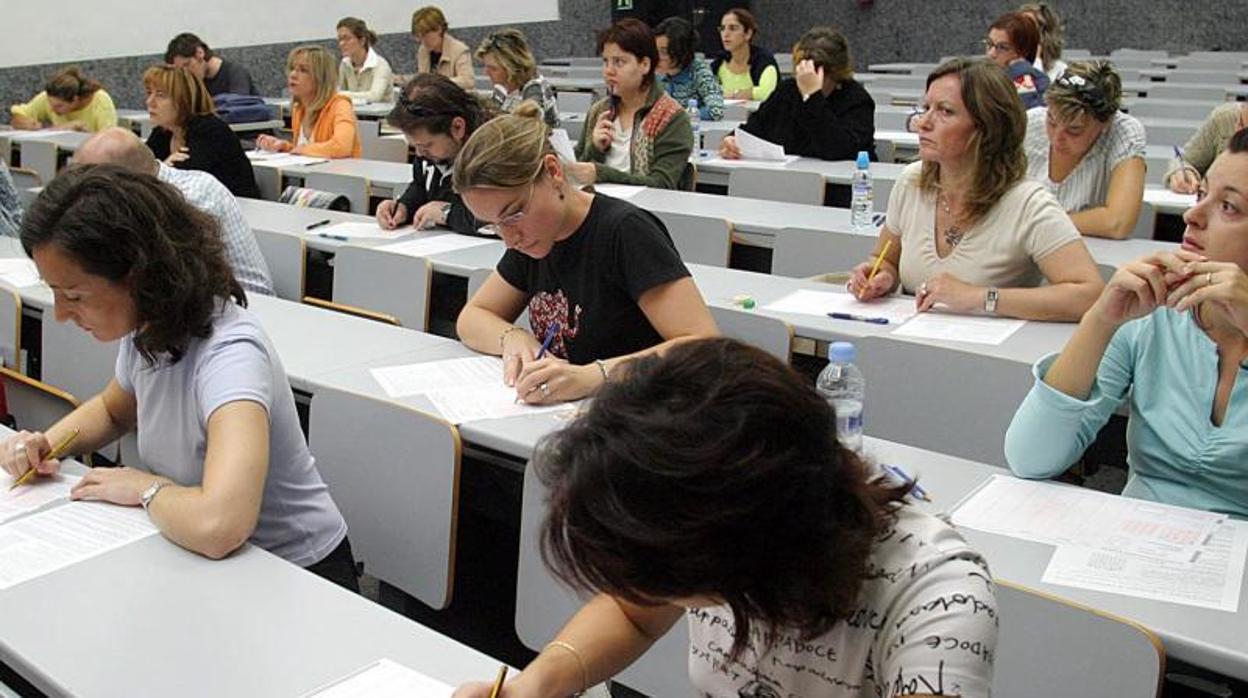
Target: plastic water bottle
[[695, 120], [862, 206], [841, 384]]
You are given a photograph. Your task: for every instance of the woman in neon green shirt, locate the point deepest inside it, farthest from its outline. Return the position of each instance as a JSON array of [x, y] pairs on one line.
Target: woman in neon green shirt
[[744, 70], [69, 100]]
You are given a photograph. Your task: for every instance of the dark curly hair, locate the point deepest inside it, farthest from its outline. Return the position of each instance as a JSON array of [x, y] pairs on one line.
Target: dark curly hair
[[131, 228], [713, 471], [430, 102]]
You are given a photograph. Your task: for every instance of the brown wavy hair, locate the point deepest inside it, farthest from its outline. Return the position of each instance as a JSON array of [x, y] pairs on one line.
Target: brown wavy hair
[[187, 92], [714, 471], [131, 228], [70, 84], [1000, 126]]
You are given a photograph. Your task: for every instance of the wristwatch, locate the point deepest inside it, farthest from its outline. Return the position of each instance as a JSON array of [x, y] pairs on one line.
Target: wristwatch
[[150, 493], [990, 300], [446, 213]]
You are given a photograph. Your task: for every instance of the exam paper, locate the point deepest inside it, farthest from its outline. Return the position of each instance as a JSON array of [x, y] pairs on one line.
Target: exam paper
[[807, 302], [384, 679], [61, 536], [19, 272], [618, 191], [959, 328], [1214, 580], [35, 494], [1056, 514], [470, 403], [462, 390], [355, 230], [436, 244], [754, 148], [282, 159]]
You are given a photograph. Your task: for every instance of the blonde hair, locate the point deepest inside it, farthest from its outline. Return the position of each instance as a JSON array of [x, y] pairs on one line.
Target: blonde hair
[[428, 19], [997, 155], [324, 70], [511, 50], [505, 152], [1088, 87], [187, 92], [828, 49]]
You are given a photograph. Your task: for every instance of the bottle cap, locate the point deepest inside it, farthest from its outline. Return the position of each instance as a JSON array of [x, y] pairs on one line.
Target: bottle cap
[[693, 102], [864, 160], [744, 301], [842, 352]]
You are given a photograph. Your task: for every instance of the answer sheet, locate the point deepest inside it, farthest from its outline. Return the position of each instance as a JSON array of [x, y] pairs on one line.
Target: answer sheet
[[807, 302], [754, 148], [462, 390], [355, 231], [35, 494], [959, 328], [1213, 581], [436, 244], [282, 159], [384, 679], [61, 536]]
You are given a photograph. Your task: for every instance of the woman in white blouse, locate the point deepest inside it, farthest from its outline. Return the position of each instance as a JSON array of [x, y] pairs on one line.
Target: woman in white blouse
[[1087, 152], [966, 231], [364, 75]]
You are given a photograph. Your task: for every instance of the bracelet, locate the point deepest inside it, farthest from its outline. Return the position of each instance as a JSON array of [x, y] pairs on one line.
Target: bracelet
[[579, 660], [602, 366], [503, 337]]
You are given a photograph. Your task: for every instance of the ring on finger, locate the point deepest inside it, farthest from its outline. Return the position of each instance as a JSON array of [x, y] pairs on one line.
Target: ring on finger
[[923, 289], [1209, 278], [20, 447], [545, 389]]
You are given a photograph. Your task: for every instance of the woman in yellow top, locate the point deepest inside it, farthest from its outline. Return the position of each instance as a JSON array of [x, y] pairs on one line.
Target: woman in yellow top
[[69, 100], [322, 122], [744, 70]]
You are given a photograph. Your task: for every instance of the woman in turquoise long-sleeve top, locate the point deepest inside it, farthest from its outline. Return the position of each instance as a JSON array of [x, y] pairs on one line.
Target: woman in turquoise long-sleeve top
[[1170, 335]]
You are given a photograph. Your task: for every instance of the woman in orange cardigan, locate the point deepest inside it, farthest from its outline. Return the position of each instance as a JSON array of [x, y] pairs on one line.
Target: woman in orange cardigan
[[322, 121]]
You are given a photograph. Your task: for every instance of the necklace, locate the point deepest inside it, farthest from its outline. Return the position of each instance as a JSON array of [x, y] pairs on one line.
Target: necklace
[[953, 234]]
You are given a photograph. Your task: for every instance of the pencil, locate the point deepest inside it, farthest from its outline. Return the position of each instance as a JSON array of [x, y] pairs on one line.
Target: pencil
[[56, 452], [497, 690], [879, 260]]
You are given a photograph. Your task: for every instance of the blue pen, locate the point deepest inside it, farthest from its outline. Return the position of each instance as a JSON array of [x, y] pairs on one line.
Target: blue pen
[[318, 224], [550, 336], [859, 318], [331, 236], [900, 474]]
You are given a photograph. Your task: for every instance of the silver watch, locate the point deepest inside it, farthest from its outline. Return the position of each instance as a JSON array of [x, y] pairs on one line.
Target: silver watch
[[446, 213], [150, 493], [990, 300]]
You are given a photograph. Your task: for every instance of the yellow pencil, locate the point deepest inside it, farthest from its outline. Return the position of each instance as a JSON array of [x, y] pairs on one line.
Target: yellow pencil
[[56, 452], [879, 260], [498, 683]]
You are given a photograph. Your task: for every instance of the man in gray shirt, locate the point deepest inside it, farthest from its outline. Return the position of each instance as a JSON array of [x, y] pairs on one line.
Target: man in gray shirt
[[121, 147]]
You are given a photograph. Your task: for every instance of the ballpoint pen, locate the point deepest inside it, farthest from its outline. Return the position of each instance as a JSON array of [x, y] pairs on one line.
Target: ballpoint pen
[[331, 236], [56, 452], [900, 474], [318, 224], [859, 318]]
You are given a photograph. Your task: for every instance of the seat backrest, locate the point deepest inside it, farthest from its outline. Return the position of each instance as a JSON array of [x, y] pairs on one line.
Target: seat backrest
[[386, 282], [25, 178], [386, 149], [1204, 75], [350, 186], [802, 252], [770, 334], [286, 256], [40, 155], [574, 102], [477, 278], [394, 472], [1048, 646], [777, 185], [1215, 93], [34, 405], [698, 239], [10, 329]]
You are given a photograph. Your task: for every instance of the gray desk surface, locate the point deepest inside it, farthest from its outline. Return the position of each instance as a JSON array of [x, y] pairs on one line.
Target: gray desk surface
[[715, 171], [387, 179]]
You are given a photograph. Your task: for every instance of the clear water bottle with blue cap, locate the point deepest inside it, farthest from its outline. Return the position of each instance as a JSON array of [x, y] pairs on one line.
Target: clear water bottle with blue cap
[[842, 385], [862, 205], [695, 120]]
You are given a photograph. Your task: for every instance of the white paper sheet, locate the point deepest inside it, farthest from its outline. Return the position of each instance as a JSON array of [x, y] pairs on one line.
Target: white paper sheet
[[282, 159], [414, 379], [1213, 581], [19, 272], [959, 328], [35, 494], [562, 144], [618, 191], [474, 402], [1047, 512], [354, 231], [384, 679], [437, 244], [807, 302], [754, 148], [42, 543]]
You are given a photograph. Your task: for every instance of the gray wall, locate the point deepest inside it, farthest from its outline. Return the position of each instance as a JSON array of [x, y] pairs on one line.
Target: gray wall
[[883, 32]]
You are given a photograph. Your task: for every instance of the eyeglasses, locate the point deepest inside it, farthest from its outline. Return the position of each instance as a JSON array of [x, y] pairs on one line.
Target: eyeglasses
[[939, 114], [991, 46], [511, 220]]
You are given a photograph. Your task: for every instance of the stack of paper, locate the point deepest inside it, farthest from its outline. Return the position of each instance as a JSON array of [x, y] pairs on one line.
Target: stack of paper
[[1117, 544], [36, 494], [462, 390], [282, 159], [384, 679], [50, 540]]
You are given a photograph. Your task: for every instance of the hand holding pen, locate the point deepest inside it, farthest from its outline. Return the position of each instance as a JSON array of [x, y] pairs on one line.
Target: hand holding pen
[[1187, 179], [391, 213], [29, 454]]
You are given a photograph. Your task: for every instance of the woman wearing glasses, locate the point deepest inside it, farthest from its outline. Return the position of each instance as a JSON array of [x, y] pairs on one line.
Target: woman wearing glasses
[[1012, 44], [513, 70], [364, 76], [966, 230], [599, 276], [1089, 154], [436, 116]]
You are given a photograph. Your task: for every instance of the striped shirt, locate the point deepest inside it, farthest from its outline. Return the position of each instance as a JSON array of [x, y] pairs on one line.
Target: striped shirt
[[1087, 186], [10, 204], [205, 193]]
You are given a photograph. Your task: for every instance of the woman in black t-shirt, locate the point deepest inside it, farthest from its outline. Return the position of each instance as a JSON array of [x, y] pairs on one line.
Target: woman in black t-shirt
[[189, 135], [599, 276]]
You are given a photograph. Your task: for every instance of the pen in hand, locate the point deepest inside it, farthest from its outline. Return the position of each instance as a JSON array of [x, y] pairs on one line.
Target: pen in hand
[[550, 336], [56, 452], [497, 689]]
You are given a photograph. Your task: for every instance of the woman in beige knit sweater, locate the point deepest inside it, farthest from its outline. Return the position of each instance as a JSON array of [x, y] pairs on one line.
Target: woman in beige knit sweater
[[1205, 146]]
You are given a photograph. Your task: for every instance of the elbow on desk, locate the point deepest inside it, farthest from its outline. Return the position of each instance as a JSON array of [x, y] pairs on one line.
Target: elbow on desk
[[219, 536], [1028, 454]]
